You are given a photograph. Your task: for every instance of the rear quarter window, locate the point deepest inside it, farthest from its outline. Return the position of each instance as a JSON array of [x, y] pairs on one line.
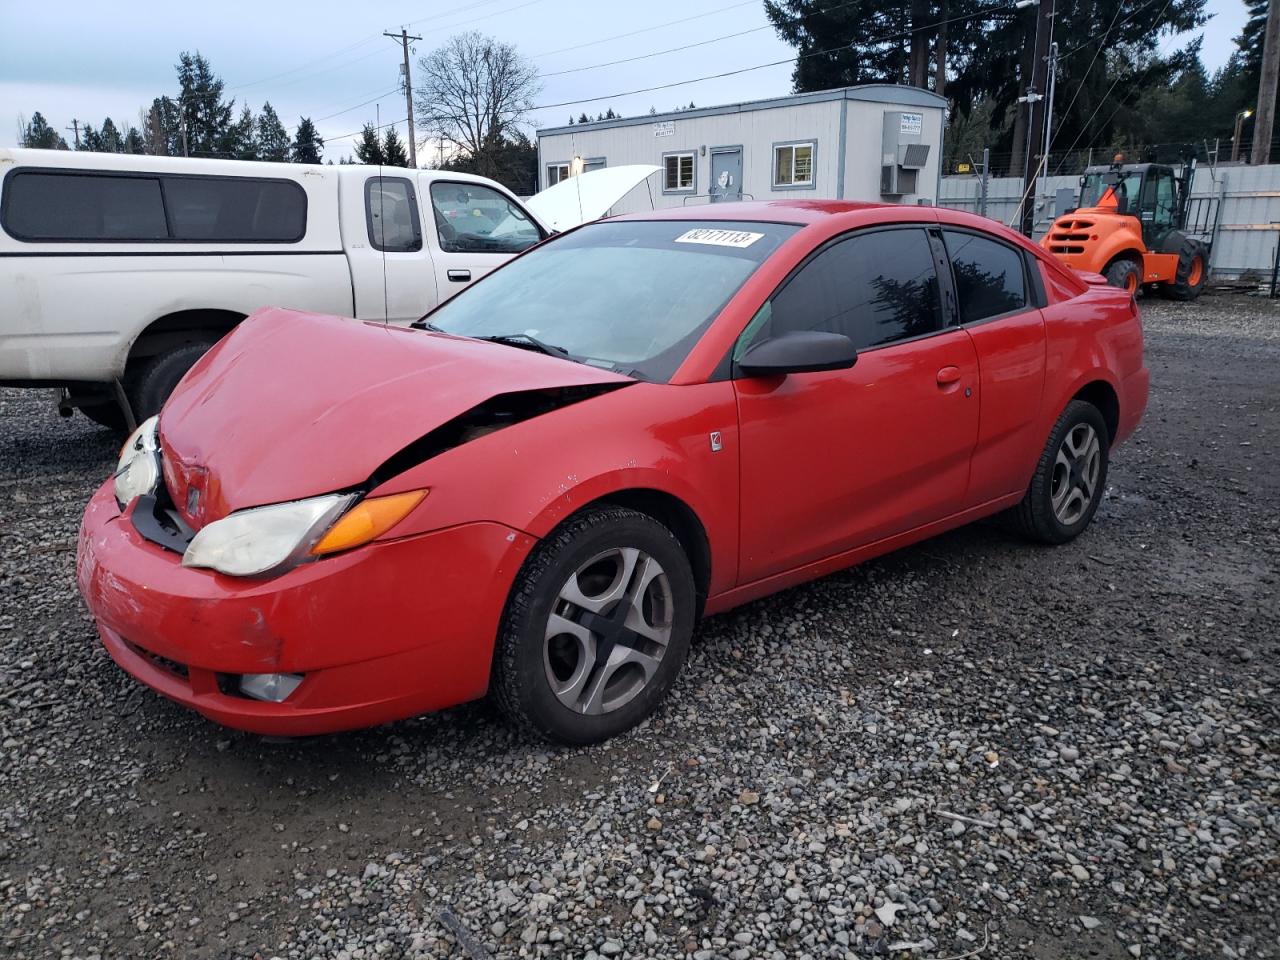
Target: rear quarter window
[[142, 208], [62, 206]]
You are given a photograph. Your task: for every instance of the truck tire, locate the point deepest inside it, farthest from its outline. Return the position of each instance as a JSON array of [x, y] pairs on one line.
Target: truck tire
[[156, 378], [1124, 274], [1193, 270], [107, 415]]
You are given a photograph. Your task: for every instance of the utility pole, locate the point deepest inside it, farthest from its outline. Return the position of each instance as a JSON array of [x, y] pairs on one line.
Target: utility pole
[[1037, 102], [75, 127], [1267, 87], [404, 39]]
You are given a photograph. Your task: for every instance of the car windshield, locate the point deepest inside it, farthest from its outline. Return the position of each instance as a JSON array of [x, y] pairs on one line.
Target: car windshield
[[1112, 189], [631, 296]]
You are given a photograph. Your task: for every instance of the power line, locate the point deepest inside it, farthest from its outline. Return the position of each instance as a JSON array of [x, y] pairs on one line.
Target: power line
[[703, 43], [775, 63], [650, 29]]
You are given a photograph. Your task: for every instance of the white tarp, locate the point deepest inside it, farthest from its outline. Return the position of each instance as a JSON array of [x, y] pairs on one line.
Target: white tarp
[[587, 196]]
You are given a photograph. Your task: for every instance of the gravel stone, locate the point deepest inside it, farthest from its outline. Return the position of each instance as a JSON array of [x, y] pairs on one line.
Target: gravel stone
[[803, 757]]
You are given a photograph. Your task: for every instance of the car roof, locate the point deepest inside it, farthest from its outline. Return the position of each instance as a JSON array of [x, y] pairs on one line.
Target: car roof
[[848, 214]]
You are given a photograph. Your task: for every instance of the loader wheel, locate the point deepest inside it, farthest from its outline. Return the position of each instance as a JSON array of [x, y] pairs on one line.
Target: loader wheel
[[1189, 280], [1124, 274]]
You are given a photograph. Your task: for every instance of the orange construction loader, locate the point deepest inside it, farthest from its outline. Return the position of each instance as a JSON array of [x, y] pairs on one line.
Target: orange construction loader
[[1130, 227]]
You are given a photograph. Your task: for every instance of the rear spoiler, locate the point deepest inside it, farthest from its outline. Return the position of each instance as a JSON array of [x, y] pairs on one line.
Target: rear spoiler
[[1091, 278]]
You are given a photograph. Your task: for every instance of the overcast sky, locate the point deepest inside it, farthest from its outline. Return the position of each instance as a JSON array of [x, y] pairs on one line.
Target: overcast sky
[[86, 59]]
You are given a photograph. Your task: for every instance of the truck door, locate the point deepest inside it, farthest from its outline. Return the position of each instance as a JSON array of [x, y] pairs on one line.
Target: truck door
[[391, 270], [1159, 208], [473, 229]]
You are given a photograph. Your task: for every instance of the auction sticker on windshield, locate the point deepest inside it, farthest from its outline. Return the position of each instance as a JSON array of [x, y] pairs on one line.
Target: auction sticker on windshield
[[720, 238]]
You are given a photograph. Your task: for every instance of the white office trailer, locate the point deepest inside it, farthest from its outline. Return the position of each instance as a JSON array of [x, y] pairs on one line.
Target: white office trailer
[[878, 142]]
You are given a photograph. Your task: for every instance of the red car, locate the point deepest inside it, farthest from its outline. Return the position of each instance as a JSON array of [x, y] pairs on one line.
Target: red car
[[540, 490]]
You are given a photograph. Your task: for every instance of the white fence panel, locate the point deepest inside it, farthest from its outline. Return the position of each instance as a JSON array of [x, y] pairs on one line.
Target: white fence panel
[[1248, 220]]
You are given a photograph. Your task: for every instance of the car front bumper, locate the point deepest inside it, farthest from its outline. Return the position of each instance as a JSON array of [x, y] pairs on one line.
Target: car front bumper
[[386, 631]]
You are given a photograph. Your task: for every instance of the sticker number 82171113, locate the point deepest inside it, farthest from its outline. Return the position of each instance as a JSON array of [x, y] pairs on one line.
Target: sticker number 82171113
[[719, 238]]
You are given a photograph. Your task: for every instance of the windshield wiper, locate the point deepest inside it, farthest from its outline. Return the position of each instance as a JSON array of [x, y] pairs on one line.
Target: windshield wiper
[[526, 342], [423, 324]]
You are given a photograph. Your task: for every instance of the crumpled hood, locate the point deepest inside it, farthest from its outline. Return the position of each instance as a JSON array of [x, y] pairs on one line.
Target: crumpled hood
[[292, 405]]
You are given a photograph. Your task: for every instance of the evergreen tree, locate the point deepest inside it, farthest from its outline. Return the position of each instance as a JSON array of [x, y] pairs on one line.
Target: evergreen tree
[[273, 139], [307, 144], [584, 118], [1250, 44], [90, 139], [133, 141], [40, 135], [242, 139], [513, 162], [988, 51], [208, 118], [112, 142], [163, 132], [393, 151], [369, 147]]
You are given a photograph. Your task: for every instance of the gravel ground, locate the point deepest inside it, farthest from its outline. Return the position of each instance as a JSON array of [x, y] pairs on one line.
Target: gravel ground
[[972, 747]]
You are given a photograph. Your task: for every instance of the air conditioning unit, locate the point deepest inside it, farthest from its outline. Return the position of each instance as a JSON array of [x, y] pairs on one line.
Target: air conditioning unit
[[903, 155]]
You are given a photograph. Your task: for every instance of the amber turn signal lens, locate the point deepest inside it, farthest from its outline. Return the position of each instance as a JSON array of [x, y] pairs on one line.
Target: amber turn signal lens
[[367, 520]]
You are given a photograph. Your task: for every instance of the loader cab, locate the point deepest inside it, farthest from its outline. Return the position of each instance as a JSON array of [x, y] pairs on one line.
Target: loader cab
[[1146, 191]]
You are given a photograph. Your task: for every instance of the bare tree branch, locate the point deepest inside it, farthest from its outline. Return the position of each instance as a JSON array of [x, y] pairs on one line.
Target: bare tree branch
[[474, 92]]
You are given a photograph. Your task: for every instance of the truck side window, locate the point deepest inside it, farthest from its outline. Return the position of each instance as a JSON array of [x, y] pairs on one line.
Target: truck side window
[[391, 210], [471, 218], [83, 207]]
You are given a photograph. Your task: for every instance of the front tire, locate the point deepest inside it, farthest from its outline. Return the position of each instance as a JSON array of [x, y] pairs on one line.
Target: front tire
[[1069, 479], [596, 628], [1124, 274]]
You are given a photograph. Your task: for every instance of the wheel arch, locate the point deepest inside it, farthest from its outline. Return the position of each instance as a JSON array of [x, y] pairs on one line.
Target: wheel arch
[[182, 326], [1102, 395], [678, 517]]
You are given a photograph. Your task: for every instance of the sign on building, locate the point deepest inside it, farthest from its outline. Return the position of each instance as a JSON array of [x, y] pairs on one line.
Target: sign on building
[[666, 128]]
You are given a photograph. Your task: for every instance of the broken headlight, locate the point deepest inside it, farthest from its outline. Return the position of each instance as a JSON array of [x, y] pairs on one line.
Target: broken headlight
[[138, 471], [262, 540], [269, 540]]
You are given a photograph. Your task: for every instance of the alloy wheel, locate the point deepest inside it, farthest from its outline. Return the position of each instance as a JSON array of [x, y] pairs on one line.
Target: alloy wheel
[[608, 631], [1075, 474]]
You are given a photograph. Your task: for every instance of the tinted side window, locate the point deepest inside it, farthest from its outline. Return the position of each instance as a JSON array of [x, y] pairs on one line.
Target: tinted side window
[[989, 276], [471, 218], [873, 287], [391, 207], [213, 208], [60, 206]]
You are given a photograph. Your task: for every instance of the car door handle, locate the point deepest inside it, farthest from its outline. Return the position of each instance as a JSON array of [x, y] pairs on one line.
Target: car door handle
[[460, 276], [948, 375]]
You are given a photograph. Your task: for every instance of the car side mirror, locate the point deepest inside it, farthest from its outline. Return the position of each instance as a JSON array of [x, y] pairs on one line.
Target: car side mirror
[[801, 351]]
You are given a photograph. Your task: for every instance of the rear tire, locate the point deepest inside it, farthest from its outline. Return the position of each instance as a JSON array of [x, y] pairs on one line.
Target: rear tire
[[1124, 274], [1193, 271], [596, 628], [1070, 476], [157, 377]]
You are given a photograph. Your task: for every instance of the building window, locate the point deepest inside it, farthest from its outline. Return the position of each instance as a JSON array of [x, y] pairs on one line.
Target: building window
[[677, 172], [793, 165], [557, 172]]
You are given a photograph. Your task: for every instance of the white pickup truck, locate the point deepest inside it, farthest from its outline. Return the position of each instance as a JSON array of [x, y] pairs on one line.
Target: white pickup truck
[[117, 272]]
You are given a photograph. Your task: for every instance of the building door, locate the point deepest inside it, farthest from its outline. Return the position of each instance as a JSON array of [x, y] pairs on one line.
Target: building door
[[726, 174]]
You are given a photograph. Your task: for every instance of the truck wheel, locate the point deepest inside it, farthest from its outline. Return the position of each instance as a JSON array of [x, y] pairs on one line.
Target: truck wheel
[[1124, 274], [156, 379], [1193, 271]]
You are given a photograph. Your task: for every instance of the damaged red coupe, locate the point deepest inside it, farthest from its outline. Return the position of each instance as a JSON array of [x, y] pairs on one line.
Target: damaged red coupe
[[539, 490]]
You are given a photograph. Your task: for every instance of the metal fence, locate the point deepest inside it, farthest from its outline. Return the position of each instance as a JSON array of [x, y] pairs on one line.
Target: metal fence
[[1237, 206]]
